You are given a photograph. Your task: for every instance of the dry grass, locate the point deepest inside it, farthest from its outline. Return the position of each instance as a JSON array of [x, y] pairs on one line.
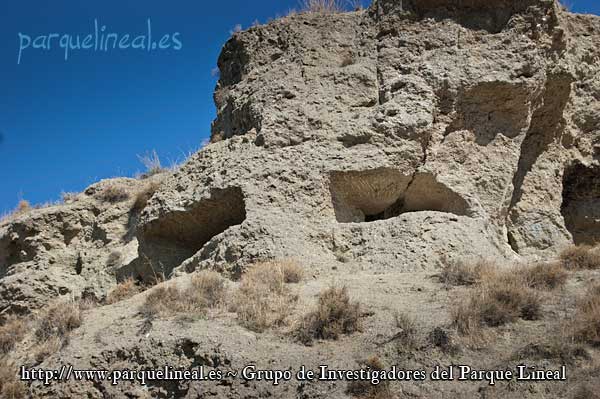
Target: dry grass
[[366, 390], [47, 348], [582, 257], [58, 320], [11, 333], [335, 315], [322, 6], [585, 326], [22, 207], [407, 336], [113, 193], [460, 272], [151, 162], [206, 289], [10, 385], [501, 298], [263, 300], [124, 290], [142, 197], [545, 275]]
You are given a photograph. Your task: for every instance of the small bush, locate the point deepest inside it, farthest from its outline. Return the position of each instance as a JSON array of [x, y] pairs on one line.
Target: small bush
[[206, 289], [322, 6], [262, 300], [292, 271], [407, 337], [582, 257], [459, 272], [499, 300], [545, 275], [124, 290], [586, 323], [11, 333], [10, 385], [113, 193], [364, 389], [58, 320], [142, 197], [335, 315]]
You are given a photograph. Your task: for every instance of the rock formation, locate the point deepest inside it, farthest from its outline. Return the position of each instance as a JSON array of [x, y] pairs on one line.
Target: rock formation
[[383, 140]]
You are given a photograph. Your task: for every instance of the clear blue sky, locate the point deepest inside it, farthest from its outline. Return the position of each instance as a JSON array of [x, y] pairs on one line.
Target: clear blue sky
[[66, 124]]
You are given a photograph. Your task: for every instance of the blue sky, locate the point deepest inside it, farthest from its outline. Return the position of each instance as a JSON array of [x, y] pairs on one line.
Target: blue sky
[[66, 124]]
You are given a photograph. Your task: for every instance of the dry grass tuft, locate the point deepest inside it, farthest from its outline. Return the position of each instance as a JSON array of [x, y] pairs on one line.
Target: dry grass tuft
[[585, 325], [11, 333], [206, 289], [545, 275], [501, 298], [322, 6], [151, 162], [142, 197], [124, 290], [58, 320], [460, 272], [11, 386], [263, 300], [366, 390], [113, 193], [582, 257], [407, 336], [335, 315]]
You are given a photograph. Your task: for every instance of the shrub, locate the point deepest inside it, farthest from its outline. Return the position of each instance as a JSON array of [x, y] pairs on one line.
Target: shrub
[[582, 257], [545, 275], [124, 290], [58, 320], [586, 323], [10, 385], [406, 338], [113, 193], [262, 299], [292, 271], [364, 389], [11, 332], [499, 300], [335, 315], [143, 196], [322, 6], [206, 289], [460, 272]]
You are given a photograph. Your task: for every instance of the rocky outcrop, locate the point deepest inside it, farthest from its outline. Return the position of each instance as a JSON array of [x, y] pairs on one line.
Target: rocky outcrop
[[389, 138]]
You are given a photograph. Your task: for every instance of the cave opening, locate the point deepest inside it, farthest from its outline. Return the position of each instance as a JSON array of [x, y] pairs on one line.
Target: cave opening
[[380, 194], [169, 240], [581, 203]]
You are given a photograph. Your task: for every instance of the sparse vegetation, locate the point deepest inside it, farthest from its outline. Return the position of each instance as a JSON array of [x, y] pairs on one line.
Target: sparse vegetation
[[151, 162], [10, 385], [68, 197], [263, 300], [407, 336], [11, 333], [206, 289], [322, 6], [143, 196], [336, 314], [582, 257], [586, 323], [366, 390], [58, 320], [460, 272], [545, 275], [124, 290], [501, 298], [113, 193]]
